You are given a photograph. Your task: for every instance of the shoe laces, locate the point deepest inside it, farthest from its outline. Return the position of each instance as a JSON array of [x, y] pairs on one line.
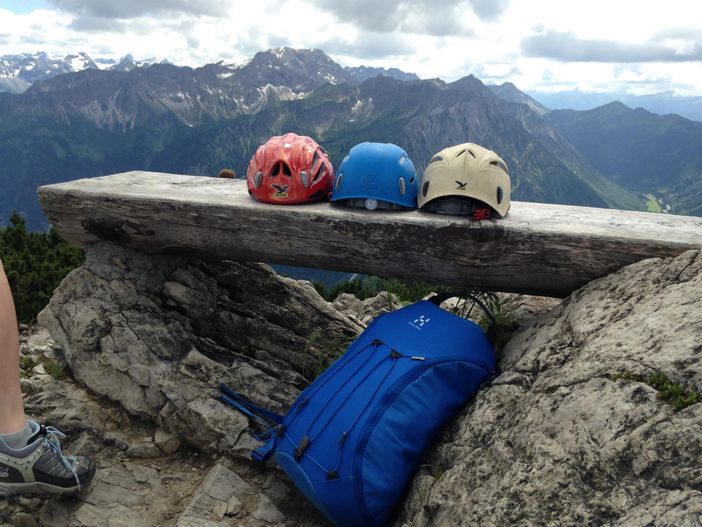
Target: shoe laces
[[52, 437]]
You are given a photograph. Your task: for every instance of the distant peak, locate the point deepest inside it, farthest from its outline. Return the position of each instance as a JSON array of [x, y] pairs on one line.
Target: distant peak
[[469, 81], [618, 105], [286, 51]]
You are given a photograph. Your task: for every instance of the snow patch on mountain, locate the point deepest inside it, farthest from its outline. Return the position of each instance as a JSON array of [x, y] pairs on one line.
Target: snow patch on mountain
[[18, 72]]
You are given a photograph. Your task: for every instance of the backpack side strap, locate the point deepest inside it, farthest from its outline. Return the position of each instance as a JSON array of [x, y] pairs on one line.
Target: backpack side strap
[[270, 421]]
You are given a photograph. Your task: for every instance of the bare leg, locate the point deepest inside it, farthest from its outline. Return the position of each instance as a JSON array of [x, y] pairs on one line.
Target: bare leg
[[11, 408], [48, 469]]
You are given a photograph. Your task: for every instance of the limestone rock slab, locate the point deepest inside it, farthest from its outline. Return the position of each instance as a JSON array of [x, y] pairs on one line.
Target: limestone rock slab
[[572, 431]]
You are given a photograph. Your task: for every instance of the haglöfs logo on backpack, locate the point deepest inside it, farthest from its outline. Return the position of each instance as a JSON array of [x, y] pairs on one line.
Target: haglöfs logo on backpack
[[419, 322]]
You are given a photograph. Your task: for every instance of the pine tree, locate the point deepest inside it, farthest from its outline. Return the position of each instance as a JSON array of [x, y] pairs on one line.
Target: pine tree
[[35, 263]]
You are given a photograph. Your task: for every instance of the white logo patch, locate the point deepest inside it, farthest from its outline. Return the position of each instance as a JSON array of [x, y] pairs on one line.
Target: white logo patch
[[419, 322]]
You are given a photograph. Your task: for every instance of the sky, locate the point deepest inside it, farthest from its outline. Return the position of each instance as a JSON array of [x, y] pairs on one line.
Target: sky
[[544, 45]]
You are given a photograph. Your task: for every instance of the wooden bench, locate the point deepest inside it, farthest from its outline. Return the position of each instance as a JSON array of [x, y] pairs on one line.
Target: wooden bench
[[537, 249]]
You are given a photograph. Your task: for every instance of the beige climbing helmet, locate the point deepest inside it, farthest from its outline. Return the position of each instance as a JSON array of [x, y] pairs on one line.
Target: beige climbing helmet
[[459, 175]]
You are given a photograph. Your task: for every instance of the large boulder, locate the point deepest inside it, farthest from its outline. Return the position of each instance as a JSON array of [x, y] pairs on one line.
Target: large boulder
[[578, 428], [158, 333]]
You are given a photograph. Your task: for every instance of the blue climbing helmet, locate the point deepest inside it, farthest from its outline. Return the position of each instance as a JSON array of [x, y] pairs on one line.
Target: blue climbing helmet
[[376, 176]]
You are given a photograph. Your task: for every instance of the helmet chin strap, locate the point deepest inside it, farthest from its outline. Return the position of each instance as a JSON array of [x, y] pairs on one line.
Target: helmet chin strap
[[456, 206], [372, 204]]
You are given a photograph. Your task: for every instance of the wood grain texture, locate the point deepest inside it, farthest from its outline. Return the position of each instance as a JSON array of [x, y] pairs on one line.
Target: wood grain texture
[[537, 249]]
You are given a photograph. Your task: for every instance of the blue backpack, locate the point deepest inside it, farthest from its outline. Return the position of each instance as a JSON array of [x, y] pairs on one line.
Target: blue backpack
[[354, 438]]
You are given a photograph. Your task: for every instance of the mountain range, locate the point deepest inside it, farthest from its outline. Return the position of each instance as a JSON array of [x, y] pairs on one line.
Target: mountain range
[[199, 120], [640, 151], [19, 72], [662, 103]]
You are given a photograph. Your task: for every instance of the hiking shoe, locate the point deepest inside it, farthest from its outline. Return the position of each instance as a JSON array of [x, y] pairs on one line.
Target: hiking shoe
[[41, 467]]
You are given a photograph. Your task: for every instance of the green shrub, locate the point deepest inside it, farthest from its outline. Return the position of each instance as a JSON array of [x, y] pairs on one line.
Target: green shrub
[[370, 286], [672, 392], [27, 362], [35, 263], [54, 369]]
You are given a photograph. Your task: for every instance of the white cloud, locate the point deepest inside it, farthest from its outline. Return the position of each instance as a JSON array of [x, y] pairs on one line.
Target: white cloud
[[567, 47], [110, 9], [418, 16], [489, 10], [448, 39]]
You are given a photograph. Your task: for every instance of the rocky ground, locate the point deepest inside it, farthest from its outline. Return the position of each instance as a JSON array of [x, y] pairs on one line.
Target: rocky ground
[[146, 477], [153, 470], [576, 429], [595, 418]]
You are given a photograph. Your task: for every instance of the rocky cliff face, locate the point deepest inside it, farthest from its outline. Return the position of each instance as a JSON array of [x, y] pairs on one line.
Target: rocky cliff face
[[157, 334], [573, 431]]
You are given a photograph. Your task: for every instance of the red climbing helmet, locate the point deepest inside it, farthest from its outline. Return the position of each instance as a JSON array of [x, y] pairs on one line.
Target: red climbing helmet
[[289, 169]]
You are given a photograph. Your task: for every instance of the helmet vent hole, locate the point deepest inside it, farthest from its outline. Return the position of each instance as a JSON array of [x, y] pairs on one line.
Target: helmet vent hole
[[459, 154], [319, 175], [435, 159], [501, 165], [286, 169], [411, 180], [425, 188], [471, 153], [403, 186], [339, 179], [315, 162], [499, 195]]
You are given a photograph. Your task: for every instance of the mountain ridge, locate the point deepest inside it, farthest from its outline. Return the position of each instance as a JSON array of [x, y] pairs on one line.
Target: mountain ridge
[[19, 72], [640, 150], [662, 103]]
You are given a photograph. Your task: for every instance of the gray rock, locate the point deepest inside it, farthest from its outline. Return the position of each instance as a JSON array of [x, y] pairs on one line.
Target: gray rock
[[511, 309], [218, 497], [572, 432], [167, 443], [144, 449], [383, 302], [267, 512], [348, 304], [524, 309], [158, 333]]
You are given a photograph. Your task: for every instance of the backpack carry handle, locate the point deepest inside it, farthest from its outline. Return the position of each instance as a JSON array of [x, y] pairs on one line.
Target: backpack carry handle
[[491, 332]]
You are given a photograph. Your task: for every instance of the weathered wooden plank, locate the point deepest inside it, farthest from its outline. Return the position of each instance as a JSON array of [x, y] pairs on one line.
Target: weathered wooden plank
[[537, 249]]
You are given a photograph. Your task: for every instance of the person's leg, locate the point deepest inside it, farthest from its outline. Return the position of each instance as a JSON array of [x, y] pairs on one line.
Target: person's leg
[[11, 408], [30, 454]]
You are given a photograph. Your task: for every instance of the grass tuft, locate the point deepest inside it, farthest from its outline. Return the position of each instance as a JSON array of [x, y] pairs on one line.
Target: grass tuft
[[328, 350], [670, 391], [54, 369]]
